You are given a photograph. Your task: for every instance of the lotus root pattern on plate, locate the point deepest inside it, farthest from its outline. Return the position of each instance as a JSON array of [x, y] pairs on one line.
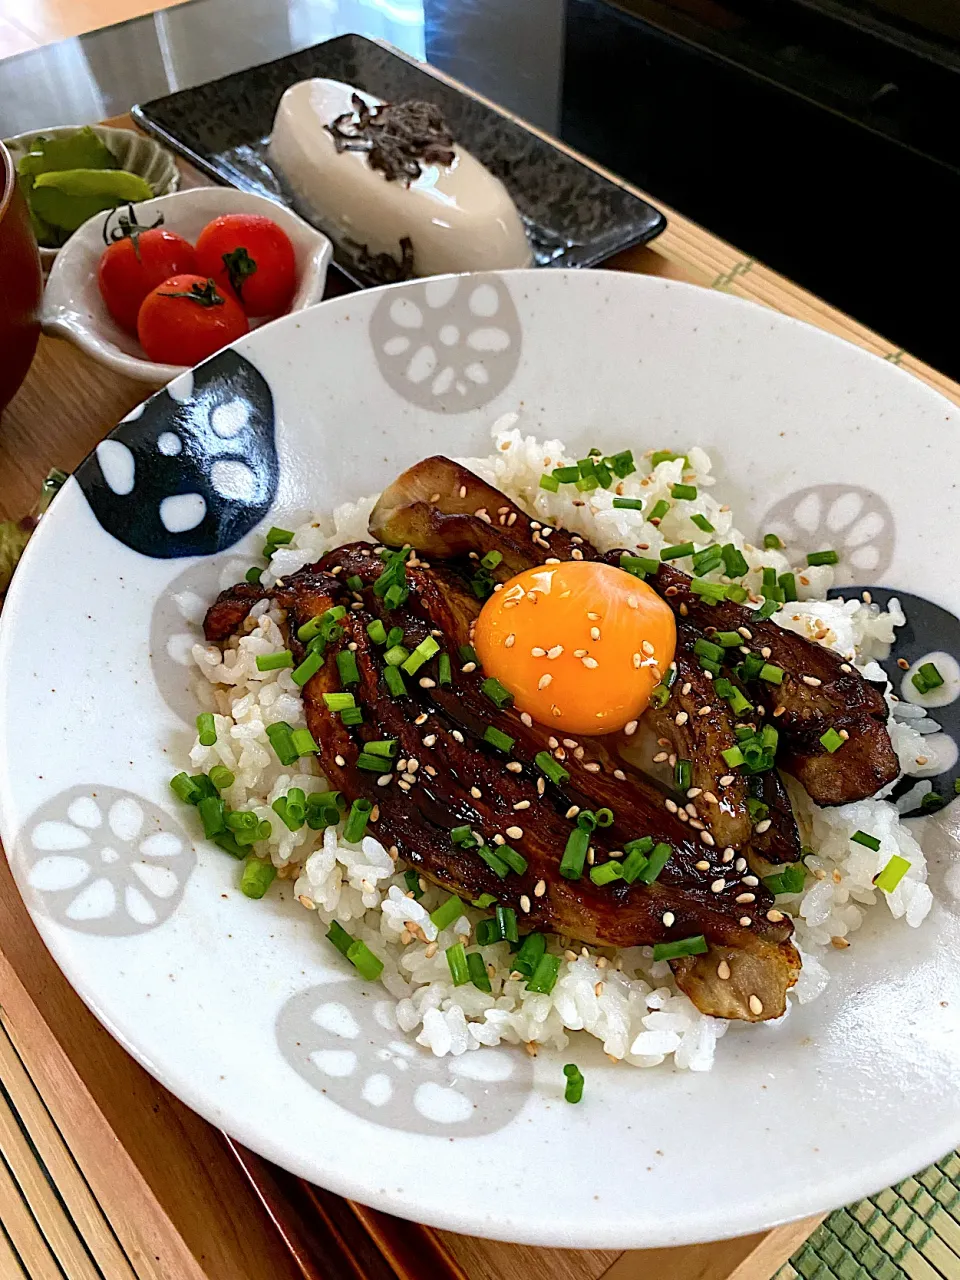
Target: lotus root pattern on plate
[[342, 1038], [105, 861], [176, 625], [846, 518], [448, 345]]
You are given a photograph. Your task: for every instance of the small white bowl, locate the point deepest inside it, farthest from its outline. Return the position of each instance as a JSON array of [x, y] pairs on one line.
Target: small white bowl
[[133, 151], [72, 305]]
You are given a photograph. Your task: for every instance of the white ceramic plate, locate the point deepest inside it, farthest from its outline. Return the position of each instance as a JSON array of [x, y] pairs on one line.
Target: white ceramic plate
[[225, 999]]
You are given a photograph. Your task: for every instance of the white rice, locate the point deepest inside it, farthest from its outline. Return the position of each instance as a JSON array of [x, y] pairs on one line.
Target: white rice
[[624, 999]]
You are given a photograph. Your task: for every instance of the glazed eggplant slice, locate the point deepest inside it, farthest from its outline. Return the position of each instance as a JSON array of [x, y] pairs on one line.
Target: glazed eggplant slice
[[819, 697], [475, 812], [442, 508]]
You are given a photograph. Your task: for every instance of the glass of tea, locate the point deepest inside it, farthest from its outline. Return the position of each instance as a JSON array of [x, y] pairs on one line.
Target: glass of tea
[[20, 283]]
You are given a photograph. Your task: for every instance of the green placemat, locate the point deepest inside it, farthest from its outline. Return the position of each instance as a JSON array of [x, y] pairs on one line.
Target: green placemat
[[908, 1232]]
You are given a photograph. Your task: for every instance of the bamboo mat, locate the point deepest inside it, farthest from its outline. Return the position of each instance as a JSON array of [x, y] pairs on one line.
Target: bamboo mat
[[104, 1175]]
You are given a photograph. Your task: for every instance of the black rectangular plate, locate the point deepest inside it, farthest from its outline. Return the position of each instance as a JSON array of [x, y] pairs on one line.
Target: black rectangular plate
[[574, 216]]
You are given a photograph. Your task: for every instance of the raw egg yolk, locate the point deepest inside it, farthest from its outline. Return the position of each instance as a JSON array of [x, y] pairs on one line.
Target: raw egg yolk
[[580, 645]]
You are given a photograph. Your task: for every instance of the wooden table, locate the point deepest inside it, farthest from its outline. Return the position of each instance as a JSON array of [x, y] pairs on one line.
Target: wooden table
[[143, 1187]]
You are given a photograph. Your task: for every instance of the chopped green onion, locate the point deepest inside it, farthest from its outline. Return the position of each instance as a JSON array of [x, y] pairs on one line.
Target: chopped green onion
[[221, 777], [703, 523], [587, 484], [926, 677], [551, 768], [790, 880], [307, 668], [477, 971], [444, 671], [339, 701], [212, 815], [501, 741], [394, 682], [497, 693], [290, 815], [550, 483], [757, 809], [383, 747], [604, 817], [621, 464], [658, 510], [257, 877], [485, 900], [447, 912], [491, 559], [788, 585], [573, 1091], [767, 609], [531, 951], [931, 802], [708, 561], [659, 695], [575, 854], [831, 740], [710, 592], [184, 787], [771, 542], [468, 654], [304, 743], [892, 873], [602, 474], [281, 739], [499, 866], [394, 637], [394, 575], [338, 935], [636, 859], [667, 455], [566, 475], [421, 654], [544, 975], [868, 841], [457, 963], [515, 861], [658, 859], [678, 552], [206, 728], [364, 961], [321, 624], [736, 593], [628, 504], [351, 715], [639, 566], [279, 537], [377, 631], [696, 946], [463, 836], [733, 561], [274, 661], [506, 919], [412, 880], [233, 844], [347, 667], [487, 933], [772, 674], [586, 820], [356, 822], [605, 872], [688, 491], [683, 775], [372, 763], [729, 639], [253, 574], [707, 649], [823, 557], [733, 756]]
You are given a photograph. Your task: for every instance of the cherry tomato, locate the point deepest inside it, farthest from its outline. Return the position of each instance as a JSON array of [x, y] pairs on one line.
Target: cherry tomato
[[131, 267], [187, 318], [253, 255]]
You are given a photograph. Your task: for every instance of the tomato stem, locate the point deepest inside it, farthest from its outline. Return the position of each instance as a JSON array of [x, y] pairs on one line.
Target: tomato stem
[[205, 295], [239, 265], [129, 228]]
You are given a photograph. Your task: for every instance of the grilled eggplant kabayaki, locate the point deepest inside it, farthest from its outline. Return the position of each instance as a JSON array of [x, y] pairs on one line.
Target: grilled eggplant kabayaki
[[453, 777]]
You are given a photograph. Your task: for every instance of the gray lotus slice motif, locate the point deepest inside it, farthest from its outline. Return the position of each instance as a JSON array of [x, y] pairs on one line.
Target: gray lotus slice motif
[[846, 518], [102, 860], [448, 345], [343, 1039], [176, 625]]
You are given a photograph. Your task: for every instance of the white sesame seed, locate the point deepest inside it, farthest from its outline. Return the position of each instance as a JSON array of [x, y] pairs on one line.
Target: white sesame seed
[[703, 865], [707, 838], [740, 864], [413, 766], [681, 718], [510, 604], [526, 719], [594, 633], [670, 806], [746, 921], [630, 727], [592, 767], [544, 681], [723, 971], [514, 767], [668, 918], [540, 889], [718, 885], [590, 663], [633, 602], [766, 651], [660, 757], [499, 839], [727, 856], [844, 734], [774, 915], [456, 735], [476, 792], [468, 668], [430, 740], [340, 761], [384, 780], [684, 817], [402, 765], [763, 826], [692, 810], [524, 903], [576, 554], [845, 666], [403, 784], [431, 770], [522, 804], [812, 680], [746, 897], [726, 780], [745, 632], [619, 775], [710, 798], [752, 881], [515, 833], [648, 648], [421, 719], [427, 683], [705, 711], [537, 652], [637, 660], [555, 652], [686, 688], [541, 786], [756, 1005], [510, 641]]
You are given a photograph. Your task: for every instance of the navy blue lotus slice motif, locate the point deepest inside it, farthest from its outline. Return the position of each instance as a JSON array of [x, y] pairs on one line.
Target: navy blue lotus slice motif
[[189, 473]]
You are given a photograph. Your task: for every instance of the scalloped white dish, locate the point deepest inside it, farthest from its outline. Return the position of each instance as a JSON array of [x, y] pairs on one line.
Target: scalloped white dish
[[238, 1006]]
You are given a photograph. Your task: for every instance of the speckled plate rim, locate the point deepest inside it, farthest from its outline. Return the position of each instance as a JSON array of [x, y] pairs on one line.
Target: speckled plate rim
[[846, 1096]]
